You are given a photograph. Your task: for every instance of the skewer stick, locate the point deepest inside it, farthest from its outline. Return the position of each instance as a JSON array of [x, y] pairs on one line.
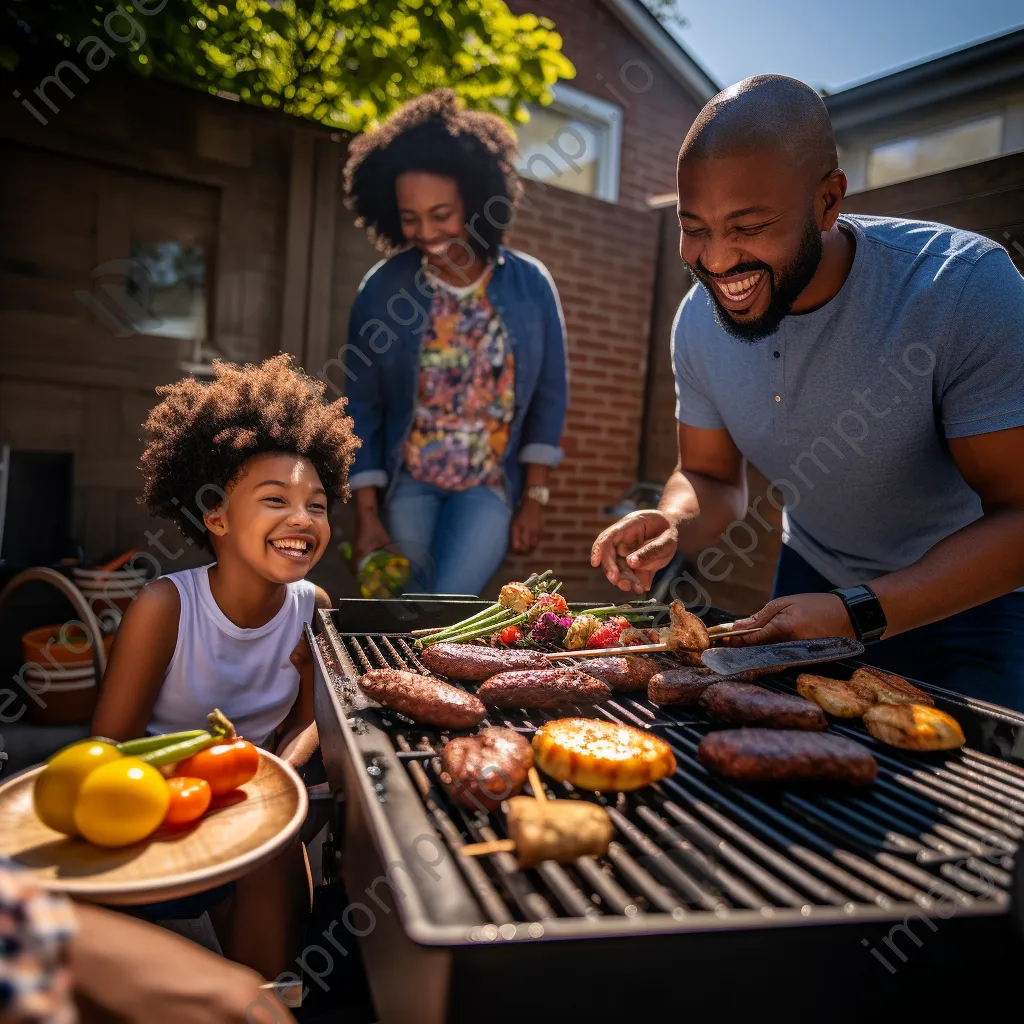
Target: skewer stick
[[600, 652], [535, 785], [483, 849]]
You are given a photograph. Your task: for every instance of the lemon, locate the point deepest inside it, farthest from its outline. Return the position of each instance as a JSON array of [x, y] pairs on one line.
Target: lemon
[[56, 789], [121, 803]]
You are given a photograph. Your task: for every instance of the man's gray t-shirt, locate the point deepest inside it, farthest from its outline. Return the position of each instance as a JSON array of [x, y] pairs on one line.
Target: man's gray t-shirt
[[847, 409]]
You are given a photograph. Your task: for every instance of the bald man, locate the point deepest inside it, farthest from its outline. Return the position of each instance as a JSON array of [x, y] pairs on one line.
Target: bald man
[[873, 370]]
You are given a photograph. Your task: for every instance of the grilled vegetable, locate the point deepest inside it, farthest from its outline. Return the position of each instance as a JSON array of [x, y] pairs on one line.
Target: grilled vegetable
[[517, 597], [558, 830], [608, 635], [914, 727], [550, 629], [547, 603], [581, 630], [600, 755], [511, 635]]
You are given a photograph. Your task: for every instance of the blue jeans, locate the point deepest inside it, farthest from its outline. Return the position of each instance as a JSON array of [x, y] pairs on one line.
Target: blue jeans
[[978, 652], [454, 540]]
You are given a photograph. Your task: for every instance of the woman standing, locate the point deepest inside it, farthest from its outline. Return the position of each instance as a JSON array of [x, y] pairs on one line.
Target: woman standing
[[456, 356]]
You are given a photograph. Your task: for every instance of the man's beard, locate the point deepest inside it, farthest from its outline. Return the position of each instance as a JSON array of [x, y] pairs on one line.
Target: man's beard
[[784, 288]]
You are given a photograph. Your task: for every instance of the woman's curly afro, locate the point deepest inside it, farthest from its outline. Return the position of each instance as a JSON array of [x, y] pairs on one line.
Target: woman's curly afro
[[436, 134], [202, 434]]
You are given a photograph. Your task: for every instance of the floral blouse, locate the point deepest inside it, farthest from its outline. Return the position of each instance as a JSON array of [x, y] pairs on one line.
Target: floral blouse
[[35, 931], [466, 397]]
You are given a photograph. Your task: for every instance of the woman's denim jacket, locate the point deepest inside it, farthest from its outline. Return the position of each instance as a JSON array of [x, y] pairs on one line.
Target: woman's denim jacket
[[389, 319]]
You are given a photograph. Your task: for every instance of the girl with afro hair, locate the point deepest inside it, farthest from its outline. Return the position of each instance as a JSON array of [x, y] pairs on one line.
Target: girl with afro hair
[[456, 356], [247, 467]]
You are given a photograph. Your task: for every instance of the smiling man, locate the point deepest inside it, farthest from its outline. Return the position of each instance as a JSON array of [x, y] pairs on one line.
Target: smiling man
[[873, 370]]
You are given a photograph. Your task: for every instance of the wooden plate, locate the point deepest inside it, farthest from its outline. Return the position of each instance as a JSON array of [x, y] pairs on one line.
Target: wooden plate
[[247, 829]]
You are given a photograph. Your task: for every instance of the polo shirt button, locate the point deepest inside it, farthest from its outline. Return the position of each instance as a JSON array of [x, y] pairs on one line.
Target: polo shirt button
[[778, 398], [778, 355]]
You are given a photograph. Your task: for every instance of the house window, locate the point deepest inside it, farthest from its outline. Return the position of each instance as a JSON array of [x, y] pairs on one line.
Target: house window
[[574, 143], [167, 280], [936, 151]]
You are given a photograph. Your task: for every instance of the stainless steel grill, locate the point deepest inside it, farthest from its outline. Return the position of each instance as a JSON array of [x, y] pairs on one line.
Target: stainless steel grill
[[933, 839]]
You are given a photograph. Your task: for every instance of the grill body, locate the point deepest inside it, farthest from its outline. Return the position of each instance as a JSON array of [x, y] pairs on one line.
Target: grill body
[[812, 901]]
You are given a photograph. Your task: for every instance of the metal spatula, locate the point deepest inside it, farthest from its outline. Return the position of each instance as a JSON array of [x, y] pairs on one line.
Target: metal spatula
[[727, 661]]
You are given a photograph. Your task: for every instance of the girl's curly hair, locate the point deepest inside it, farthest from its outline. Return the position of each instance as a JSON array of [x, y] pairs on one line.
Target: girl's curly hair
[[436, 134], [202, 434]]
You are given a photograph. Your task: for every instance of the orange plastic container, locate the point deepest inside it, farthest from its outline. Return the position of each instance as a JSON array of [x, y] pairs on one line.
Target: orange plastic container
[[64, 680]]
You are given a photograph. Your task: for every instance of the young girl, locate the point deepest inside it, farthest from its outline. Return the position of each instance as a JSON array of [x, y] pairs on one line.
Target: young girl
[[247, 466]]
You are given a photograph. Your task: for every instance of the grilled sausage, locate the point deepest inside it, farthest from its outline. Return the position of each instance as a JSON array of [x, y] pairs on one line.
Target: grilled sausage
[[629, 674], [680, 687], [542, 688], [473, 663], [482, 770], [423, 698], [746, 704], [782, 755]]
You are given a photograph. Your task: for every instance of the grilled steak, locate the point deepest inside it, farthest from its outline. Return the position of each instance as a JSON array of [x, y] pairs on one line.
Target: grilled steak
[[782, 755], [473, 663], [542, 688], [746, 704], [482, 770], [630, 673], [681, 687], [423, 698]]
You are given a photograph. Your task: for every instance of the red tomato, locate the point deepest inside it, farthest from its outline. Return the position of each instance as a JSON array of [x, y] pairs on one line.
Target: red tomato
[[225, 766], [510, 635], [189, 800]]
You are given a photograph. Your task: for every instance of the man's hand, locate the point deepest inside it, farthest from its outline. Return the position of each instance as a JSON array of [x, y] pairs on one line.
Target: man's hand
[[800, 617], [646, 540], [527, 527]]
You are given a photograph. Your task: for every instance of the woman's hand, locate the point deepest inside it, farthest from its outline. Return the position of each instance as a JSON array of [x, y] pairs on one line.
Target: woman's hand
[[800, 617], [527, 527], [370, 536]]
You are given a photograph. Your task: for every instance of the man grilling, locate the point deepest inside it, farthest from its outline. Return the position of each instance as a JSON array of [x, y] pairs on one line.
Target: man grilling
[[873, 369]]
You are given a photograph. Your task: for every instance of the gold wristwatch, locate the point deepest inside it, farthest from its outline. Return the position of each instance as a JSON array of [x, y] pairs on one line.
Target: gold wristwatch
[[539, 494]]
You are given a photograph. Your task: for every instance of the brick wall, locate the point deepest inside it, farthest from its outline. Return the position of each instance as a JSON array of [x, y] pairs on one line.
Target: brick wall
[[655, 120], [602, 258]]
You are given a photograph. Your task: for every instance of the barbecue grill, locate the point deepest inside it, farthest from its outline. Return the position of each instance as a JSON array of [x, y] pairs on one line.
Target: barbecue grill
[[810, 900]]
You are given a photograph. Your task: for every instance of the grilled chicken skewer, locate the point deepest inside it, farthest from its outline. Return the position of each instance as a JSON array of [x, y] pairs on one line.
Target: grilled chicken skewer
[[686, 634]]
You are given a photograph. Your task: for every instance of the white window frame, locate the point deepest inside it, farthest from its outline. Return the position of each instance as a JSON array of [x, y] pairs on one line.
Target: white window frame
[[602, 114], [937, 129]]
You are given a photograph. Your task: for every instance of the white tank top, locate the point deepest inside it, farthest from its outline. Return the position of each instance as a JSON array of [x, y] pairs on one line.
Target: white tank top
[[216, 664]]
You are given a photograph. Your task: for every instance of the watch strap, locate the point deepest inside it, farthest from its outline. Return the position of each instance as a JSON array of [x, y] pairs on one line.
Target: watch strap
[[865, 610]]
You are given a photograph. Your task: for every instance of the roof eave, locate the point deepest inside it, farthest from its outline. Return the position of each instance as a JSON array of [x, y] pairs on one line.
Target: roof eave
[[663, 45]]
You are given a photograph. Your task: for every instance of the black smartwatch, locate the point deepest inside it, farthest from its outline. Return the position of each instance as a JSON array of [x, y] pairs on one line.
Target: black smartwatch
[[865, 611]]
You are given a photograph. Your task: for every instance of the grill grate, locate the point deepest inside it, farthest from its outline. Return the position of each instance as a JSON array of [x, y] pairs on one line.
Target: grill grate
[[695, 847]]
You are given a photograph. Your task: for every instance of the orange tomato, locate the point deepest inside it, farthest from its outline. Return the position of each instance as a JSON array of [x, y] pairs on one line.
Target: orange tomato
[[189, 800], [225, 766]]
